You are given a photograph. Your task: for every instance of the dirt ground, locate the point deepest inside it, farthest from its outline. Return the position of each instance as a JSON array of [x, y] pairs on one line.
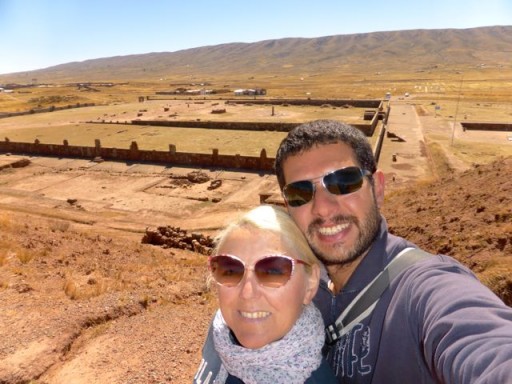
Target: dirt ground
[[84, 301]]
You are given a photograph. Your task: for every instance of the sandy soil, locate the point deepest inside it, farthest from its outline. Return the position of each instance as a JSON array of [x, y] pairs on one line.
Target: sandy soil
[[85, 302]]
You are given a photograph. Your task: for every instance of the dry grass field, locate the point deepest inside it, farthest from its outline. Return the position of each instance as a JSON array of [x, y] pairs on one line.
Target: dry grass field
[[86, 302], [475, 94], [70, 124]]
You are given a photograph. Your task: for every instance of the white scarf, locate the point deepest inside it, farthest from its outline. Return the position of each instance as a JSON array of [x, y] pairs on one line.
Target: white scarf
[[291, 359]]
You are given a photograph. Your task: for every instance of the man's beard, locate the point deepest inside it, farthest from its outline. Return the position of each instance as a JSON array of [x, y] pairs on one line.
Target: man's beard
[[338, 254]]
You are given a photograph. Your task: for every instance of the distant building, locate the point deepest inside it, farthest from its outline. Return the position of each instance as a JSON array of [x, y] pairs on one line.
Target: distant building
[[250, 92]]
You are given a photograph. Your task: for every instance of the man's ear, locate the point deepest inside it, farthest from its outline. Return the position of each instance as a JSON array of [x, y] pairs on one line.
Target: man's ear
[[379, 184], [313, 282]]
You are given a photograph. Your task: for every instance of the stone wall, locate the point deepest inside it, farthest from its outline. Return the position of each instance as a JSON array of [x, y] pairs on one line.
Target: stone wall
[[316, 102], [213, 160], [487, 126], [368, 129], [44, 110]]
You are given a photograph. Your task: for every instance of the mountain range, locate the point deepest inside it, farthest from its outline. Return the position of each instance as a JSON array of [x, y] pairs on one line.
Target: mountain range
[[396, 51]]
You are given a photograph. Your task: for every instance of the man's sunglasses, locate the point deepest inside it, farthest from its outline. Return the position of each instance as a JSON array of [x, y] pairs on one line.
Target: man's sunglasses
[[340, 182], [272, 271]]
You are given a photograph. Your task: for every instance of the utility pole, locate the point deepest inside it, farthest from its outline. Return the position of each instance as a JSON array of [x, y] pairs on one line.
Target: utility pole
[[457, 109]]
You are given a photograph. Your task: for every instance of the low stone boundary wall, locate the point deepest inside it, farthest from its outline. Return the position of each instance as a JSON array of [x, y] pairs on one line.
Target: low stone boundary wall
[[356, 103], [213, 160], [475, 126], [359, 103], [367, 129], [380, 141], [44, 110], [230, 125]]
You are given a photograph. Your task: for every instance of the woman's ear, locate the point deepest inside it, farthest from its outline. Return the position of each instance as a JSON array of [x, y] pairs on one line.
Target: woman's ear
[[313, 281], [212, 285]]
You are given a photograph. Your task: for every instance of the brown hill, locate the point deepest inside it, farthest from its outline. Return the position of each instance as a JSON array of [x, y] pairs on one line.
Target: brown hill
[[413, 50]]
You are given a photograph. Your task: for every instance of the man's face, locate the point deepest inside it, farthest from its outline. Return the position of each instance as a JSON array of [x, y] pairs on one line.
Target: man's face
[[339, 228]]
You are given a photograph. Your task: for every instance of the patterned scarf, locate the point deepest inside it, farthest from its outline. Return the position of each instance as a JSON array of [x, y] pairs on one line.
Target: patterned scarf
[[291, 359]]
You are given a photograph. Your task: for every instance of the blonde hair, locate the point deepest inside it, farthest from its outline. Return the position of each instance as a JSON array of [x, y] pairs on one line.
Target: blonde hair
[[275, 220]]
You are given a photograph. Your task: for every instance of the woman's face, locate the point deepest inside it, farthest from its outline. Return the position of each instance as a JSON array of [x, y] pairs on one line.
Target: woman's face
[[260, 315]]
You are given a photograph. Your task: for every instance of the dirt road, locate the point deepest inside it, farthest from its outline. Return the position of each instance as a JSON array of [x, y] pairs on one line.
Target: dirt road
[[403, 156]]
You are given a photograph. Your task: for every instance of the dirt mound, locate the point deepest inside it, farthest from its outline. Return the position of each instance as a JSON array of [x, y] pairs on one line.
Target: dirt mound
[[82, 305], [467, 216]]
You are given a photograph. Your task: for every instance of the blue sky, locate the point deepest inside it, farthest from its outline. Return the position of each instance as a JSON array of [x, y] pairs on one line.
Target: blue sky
[[37, 34]]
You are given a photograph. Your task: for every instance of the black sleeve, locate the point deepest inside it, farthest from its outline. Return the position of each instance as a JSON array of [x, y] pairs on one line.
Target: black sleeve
[[210, 362]]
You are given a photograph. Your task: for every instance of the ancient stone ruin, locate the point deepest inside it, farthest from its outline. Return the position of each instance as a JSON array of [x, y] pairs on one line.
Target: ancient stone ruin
[[198, 177], [175, 237]]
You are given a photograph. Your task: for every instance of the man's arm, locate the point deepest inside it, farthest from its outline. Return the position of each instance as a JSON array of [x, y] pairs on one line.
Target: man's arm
[[465, 328]]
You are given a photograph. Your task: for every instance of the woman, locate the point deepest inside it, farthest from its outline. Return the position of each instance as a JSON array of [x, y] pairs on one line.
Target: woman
[[267, 329]]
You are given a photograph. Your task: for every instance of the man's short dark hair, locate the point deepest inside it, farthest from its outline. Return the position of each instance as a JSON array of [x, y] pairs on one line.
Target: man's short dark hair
[[321, 132]]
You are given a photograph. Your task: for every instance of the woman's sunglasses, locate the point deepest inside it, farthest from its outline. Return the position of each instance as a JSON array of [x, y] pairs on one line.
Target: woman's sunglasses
[[272, 271], [340, 182]]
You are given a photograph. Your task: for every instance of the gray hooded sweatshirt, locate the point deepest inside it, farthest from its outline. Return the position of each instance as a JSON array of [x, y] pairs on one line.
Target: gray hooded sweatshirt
[[436, 323]]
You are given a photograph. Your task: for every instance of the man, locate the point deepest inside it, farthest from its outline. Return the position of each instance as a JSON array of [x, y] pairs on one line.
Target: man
[[435, 323]]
